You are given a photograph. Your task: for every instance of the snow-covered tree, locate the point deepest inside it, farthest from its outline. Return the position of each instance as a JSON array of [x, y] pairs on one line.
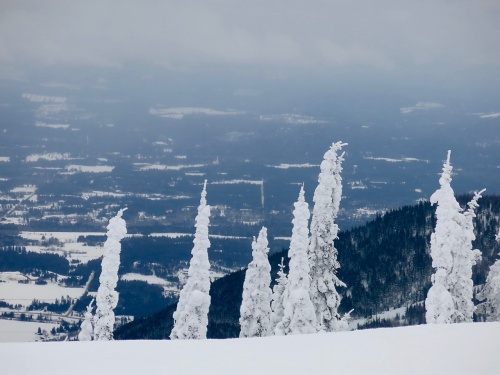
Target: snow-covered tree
[[298, 316], [107, 297], [86, 328], [322, 252], [191, 315], [439, 302], [464, 258], [255, 311], [277, 309], [449, 300], [490, 293]]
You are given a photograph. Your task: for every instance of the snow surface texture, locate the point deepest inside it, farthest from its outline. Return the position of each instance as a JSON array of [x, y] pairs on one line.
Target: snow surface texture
[[298, 316], [322, 252], [191, 316], [458, 349], [107, 297], [255, 311], [450, 298]]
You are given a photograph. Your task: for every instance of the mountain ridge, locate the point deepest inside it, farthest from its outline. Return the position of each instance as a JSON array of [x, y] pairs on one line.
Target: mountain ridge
[[385, 264]]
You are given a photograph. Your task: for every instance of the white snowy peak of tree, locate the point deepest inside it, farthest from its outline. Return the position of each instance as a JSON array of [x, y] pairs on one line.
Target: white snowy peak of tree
[[107, 297], [449, 300], [490, 293], [191, 316], [277, 309], [298, 315], [86, 328], [255, 311], [322, 252]]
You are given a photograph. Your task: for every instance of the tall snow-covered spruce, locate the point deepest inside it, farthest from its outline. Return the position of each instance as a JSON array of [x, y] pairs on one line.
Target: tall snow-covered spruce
[[298, 316], [255, 311], [107, 297], [322, 252], [490, 294], [191, 316], [449, 300]]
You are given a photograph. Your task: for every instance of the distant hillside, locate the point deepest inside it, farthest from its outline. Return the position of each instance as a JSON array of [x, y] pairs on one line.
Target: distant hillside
[[384, 263]]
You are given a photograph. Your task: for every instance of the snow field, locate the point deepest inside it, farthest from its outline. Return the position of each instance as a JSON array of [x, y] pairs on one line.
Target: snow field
[[17, 331], [23, 294], [453, 349]]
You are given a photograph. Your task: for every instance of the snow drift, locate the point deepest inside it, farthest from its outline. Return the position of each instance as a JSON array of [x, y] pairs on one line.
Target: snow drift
[[467, 348]]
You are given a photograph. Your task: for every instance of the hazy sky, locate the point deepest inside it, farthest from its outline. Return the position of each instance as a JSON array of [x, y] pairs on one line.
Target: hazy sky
[[385, 34], [431, 37]]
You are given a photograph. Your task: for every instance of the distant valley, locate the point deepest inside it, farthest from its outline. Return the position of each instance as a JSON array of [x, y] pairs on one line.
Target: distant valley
[[68, 162]]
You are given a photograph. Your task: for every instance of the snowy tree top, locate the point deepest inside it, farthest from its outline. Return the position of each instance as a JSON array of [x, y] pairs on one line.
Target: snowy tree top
[[281, 272], [447, 169], [117, 228], [90, 307], [261, 241], [203, 199], [445, 195], [473, 204]]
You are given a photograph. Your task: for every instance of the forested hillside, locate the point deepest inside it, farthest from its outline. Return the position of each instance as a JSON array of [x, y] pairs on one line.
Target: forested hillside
[[385, 264]]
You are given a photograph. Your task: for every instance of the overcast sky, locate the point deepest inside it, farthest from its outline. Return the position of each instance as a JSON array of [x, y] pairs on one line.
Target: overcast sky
[[431, 36]]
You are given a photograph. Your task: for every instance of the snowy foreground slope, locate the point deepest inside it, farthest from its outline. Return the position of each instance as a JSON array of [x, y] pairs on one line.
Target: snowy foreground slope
[[468, 348]]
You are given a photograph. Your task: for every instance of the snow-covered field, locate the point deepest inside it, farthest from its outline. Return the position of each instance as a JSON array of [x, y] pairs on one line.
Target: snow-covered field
[[291, 118], [237, 182], [89, 169], [13, 292], [392, 160], [162, 167], [168, 287], [288, 166], [17, 331], [430, 349], [180, 112], [50, 156], [51, 126], [68, 246]]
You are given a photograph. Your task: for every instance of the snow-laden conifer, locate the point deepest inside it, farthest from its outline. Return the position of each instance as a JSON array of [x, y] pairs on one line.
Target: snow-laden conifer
[[450, 298], [277, 309], [464, 258], [107, 297], [439, 304], [86, 328], [322, 252], [298, 316], [191, 315], [490, 293], [255, 311]]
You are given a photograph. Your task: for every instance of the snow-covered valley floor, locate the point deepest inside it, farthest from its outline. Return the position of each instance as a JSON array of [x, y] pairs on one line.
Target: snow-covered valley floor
[[431, 349]]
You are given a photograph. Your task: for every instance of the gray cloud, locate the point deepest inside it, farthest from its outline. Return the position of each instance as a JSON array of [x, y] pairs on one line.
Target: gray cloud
[[382, 34]]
